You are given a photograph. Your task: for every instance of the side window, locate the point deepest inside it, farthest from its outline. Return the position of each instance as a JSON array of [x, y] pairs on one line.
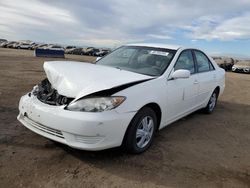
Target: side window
[[203, 62], [185, 61]]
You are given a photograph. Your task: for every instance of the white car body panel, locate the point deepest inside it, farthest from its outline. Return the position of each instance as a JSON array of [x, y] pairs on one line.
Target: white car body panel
[[181, 96], [89, 131], [176, 98], [25, 46]]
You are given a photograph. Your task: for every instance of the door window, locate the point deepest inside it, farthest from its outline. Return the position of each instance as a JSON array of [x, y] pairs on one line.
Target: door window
[[203, 62], [185, 61]]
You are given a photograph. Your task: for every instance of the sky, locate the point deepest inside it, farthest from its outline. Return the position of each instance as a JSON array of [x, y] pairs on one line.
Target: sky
[[219, 27]]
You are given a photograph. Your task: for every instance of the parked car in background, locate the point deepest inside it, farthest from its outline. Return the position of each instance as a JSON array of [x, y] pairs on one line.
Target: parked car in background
[[102, 52], [10, 44], [4, 44], [15, 45], [40, 46], [225, 62], [34, 45], [91, 51], [54, 47], [76, 51], [124, 98], [25, 45], [95, 52], [88, 51], [3, 40], [241, 66], [68, 49]]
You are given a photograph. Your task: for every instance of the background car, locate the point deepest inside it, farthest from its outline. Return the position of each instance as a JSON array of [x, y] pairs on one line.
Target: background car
[[40, 46], [10, 44], [3, 40], [25, 45], [34, 45], [68, 49], [16, 45], [76, 51], [90, 51], [102, 52], [3, 44], [241, 66], [225, 62], [54, 47]]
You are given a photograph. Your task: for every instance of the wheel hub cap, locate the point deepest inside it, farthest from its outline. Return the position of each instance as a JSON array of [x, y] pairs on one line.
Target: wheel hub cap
[[144, 131], [212, 101]]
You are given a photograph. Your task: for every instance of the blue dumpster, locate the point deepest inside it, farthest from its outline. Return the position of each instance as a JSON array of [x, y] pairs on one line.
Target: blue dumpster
[[49, 53]]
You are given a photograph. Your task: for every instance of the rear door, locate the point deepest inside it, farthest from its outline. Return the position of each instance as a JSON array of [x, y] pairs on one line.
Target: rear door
[[206, 77], [182, 93]]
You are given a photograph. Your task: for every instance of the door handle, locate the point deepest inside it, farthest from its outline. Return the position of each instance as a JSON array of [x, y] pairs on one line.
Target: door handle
[[196, 82]]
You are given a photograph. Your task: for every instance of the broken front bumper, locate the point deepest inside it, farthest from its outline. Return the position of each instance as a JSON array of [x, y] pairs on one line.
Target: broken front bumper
[[81, 130]]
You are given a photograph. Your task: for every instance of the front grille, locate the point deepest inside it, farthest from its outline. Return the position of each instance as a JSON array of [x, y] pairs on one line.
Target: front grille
[[239, 70], [41, 127], [47, 94]]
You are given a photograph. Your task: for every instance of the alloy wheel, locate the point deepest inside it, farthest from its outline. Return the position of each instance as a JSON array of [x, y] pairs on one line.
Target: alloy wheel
[[212, 101], [144, 131]]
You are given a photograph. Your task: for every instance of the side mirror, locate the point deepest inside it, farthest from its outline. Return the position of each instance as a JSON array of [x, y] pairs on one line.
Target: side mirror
[[181, 73], [98, 58]]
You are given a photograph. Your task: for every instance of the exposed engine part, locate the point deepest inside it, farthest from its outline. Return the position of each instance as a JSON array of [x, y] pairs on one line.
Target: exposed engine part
[[47, 94]]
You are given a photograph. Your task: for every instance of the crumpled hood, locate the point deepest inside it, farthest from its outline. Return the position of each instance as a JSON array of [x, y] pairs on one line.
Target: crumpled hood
[[78, 79]]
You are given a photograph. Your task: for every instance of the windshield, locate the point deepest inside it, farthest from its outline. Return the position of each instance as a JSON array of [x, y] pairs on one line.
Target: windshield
[[144, 60]]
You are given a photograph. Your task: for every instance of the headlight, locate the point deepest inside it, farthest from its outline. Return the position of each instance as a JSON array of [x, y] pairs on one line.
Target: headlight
[[95, 104], [35, 90]]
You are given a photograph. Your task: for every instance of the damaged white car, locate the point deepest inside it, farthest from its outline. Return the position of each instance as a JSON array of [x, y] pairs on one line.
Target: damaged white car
[[124, 98]]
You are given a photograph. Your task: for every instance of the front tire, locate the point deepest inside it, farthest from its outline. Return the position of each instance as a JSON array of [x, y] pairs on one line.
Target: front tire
[[211, 103], [141, 131]]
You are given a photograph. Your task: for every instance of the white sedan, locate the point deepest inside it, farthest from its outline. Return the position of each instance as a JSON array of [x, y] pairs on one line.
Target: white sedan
[[122, 99]]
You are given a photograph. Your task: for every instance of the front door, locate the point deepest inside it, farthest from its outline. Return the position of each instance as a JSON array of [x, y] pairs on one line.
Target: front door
[[182, 93]]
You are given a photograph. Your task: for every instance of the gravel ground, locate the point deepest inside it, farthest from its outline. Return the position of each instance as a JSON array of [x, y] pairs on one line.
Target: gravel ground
[[197, 151]]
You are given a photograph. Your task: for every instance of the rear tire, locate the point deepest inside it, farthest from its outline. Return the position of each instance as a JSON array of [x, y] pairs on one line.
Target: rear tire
[[212, 102], [141, 131]]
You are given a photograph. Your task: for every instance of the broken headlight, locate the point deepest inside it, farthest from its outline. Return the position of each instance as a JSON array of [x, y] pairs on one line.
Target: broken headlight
[[35, 90], [95, 104]]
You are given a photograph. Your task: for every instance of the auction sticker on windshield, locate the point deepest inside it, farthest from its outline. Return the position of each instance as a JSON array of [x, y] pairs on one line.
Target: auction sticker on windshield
[[158, 53]]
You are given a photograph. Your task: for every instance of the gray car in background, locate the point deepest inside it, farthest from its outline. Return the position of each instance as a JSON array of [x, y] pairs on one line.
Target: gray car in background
[[241, 66]]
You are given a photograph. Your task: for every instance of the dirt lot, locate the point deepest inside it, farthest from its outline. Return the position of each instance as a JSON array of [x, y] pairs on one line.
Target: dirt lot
[[197, 151]]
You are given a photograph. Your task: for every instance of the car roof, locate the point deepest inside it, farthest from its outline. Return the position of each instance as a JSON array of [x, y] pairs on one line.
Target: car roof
[[157, 45]]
